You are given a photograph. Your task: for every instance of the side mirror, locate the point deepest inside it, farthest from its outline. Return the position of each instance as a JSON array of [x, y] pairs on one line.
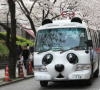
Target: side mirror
[[89, 43]]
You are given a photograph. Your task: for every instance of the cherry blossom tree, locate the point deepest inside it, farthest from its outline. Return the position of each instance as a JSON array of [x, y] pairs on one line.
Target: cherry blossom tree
[[11, 38], [27, 13]]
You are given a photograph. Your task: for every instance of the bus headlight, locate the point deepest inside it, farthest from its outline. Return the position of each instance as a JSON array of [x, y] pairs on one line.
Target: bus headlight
[[80, 67], [47, 59], [72, 58], [40, 68]]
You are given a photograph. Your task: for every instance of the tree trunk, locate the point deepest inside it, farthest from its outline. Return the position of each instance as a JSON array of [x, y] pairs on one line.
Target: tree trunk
[[11, 43], [12, 66], [11, 39]]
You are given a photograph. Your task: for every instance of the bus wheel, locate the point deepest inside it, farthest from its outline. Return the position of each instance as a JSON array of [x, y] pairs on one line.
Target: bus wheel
[[44, 83], [96, 73], [89, 82]]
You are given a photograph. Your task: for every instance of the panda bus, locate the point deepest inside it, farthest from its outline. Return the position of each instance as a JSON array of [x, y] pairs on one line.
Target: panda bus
[[65, 50]]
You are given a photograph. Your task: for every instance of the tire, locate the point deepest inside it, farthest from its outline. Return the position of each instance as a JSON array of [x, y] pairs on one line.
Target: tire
[[96, 73], [89, 82], [44, 83]]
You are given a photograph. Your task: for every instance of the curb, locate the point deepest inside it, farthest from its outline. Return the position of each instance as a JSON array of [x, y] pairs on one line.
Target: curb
[[14, 81]]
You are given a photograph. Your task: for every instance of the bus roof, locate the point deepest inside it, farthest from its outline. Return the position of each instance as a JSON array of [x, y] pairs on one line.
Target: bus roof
[[63, 24]]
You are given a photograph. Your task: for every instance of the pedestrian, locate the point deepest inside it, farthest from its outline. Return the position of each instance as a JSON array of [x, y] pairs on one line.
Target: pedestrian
[[25, 54], [28, 46], [31, 59], [31, 55], [19, 51], [31, 49]]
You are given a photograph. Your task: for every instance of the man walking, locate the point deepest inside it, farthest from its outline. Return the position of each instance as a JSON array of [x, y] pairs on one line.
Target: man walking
[[25, 54]]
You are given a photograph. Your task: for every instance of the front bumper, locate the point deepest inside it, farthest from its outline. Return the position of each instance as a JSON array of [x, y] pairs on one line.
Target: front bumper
[[77, 75]]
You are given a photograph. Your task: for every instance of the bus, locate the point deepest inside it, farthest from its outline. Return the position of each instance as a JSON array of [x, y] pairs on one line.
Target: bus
[[66, 50]]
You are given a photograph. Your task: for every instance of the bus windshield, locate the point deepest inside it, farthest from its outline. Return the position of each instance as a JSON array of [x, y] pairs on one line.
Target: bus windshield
[[61, 39]]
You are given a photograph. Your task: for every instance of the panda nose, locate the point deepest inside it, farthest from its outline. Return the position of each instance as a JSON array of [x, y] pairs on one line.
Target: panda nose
[[59, 67]]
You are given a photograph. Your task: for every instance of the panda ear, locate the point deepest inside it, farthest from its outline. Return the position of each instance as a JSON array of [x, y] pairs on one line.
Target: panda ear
[[46, 21], [76, 19]]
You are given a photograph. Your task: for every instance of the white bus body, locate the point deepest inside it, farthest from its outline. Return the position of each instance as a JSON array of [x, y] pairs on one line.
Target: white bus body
[[63, 52]]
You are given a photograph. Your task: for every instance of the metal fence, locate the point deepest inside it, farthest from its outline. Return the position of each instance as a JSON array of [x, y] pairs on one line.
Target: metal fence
[[3, 61]]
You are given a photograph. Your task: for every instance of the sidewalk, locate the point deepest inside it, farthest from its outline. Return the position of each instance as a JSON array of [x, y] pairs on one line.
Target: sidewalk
[[2, 76]]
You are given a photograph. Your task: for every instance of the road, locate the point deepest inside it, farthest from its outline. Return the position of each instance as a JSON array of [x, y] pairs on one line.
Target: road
[[31, 84]]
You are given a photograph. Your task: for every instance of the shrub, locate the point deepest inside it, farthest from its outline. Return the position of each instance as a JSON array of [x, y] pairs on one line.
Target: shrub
[[20, 41], [3, 49], [23, 41]]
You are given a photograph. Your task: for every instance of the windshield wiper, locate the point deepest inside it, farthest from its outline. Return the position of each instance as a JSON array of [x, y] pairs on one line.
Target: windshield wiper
[[43, 51], [73, 48], [65, 50]]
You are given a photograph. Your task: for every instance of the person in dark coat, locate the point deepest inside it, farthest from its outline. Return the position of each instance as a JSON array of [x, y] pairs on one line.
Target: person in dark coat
[[25, 54]]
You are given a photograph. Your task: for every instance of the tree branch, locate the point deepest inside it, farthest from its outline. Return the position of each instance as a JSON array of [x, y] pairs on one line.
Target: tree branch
[[32, 6], [47, 13], [55, 17], [25, 9], [54, 1], [4, 26], [21, 7]]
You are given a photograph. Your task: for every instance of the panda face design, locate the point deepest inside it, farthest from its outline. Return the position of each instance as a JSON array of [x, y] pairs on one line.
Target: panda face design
[[57, 65]]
